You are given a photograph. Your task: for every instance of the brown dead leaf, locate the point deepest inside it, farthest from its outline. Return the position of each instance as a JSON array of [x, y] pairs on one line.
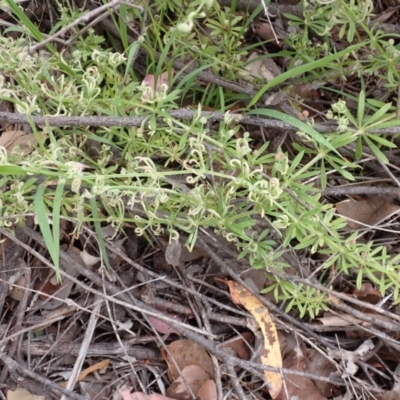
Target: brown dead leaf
[[240, 344], [59, 291], [320, 365], [208, 391], [267, 32], [161, 326], [384, 16], [49, 286], [186, 352], [389, 395], [173, 253], [368, 212], [17, 291], [368, 293], [22, 394], [13, 139], [87, 371], [141, 396], [308, 91], [195, 377], [343, 319], [296, 386], [154, 85], [271, 355], [261, 67]]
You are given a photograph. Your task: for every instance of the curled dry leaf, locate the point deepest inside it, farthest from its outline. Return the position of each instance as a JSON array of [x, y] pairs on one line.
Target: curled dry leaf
[[261, 67], [195, 377], [88, 259], [186, 352], [87, 371], [271, 355], [18, 289], [208, 391], [173, 253], [154, 86], [368, 293], [240, 344]]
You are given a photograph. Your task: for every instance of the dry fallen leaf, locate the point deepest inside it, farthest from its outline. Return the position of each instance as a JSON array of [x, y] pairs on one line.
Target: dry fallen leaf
[[296, 386], [195, 377], [271, 355], [186, 352], [349, 358], [13, 139], [368, 212], [208, 391], [343, 319], [368, 293], [163, 327], [48, 284], [87, 371], [173, 253], [340, 319], [320, 365], [261, 67], [240, 344], [141, 396], [154, 86], [22, 394]]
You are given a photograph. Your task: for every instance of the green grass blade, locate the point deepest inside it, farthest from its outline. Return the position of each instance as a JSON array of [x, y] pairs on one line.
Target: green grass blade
[[25, 20], [53, 247], [361, 108], [190, 77], [133, 48], [100, 239], [56, 218], [301, 70], [297, 124], [11, 170]]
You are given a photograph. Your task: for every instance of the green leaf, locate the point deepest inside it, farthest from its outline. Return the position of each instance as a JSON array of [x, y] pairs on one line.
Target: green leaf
[[359, 148], [297, 124], [58, 197], [133, 48], [301, 70], [361, 108], [53, 246], [378, 115], [11, 170], [295, 162], [99, 234], [382, 141], [19, 13], [323, 175], [375, 150]]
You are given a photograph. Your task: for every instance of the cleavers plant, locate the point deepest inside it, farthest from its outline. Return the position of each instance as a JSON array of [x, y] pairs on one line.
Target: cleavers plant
[[168, 175]]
